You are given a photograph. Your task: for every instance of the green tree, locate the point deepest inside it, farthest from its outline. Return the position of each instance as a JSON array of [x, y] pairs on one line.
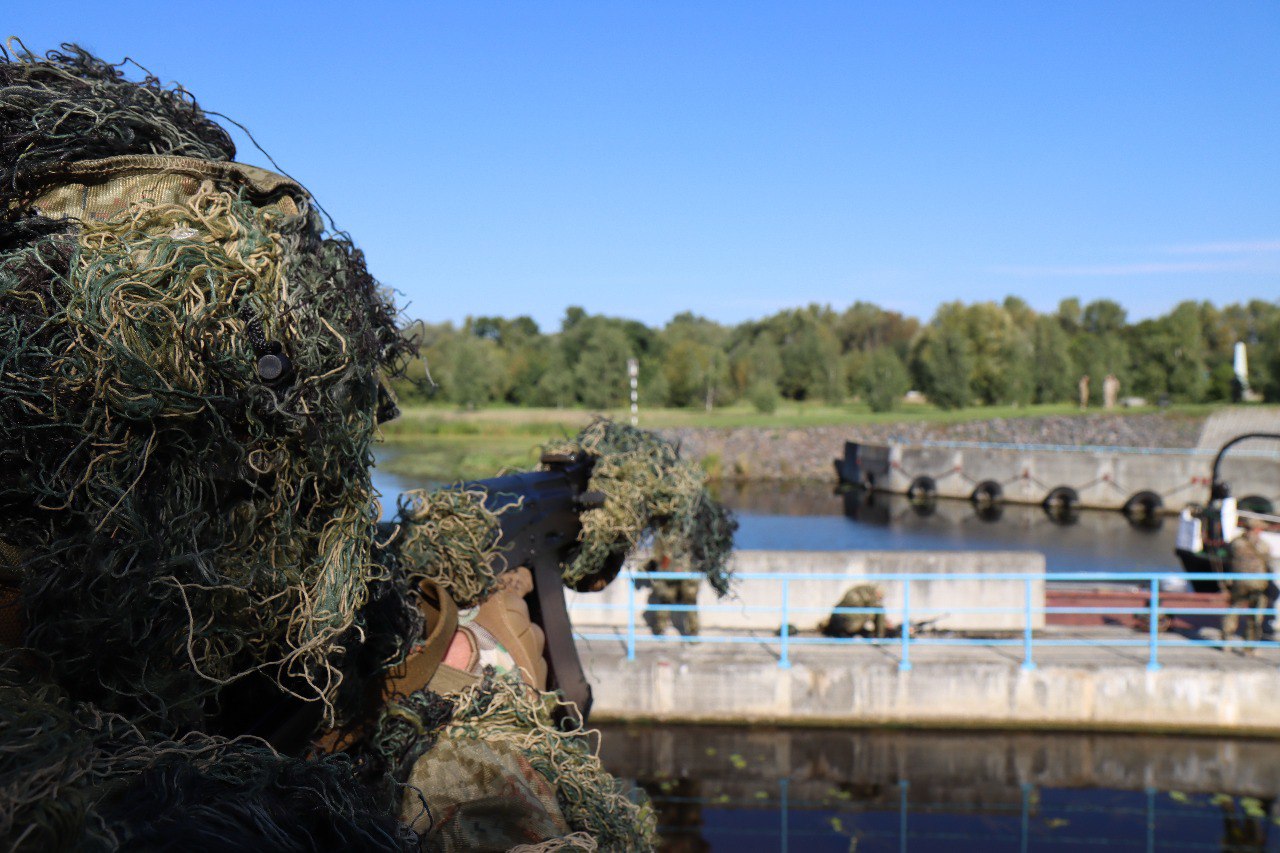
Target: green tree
[[946, 366], [601, 369], [472, 373], [883, 380], [754, 360], [555, 387], [1104, 317], [694, 363], [1070, 316], [1053, 374], [1168, 356], [810, 355]]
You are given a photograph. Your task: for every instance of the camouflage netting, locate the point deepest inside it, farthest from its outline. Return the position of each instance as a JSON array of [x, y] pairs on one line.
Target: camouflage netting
[[450, 537], [74, 777], [647, 487]]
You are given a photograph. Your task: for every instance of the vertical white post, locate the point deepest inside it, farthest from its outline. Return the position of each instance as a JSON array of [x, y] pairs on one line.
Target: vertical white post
[[633, 372]]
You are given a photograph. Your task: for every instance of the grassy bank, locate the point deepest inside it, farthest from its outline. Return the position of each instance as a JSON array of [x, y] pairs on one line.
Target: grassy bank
[[441, 442]]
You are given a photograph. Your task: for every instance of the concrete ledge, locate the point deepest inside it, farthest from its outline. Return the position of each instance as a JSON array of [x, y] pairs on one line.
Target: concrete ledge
[[710, 684]]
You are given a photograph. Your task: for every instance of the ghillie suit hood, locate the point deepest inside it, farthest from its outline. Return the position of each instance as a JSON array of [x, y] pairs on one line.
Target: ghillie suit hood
[[190, 390]]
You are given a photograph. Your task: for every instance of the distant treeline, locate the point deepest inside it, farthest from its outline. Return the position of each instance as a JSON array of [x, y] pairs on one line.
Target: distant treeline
[[984, 353]]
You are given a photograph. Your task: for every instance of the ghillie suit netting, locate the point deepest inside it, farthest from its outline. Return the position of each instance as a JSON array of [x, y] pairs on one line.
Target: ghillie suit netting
[[449, 536], [188, 400], [191, 378], [75, 777], [647, 488]]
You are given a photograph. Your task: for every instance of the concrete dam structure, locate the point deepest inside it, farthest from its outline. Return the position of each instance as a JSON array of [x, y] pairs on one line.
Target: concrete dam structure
[[1137, 480]]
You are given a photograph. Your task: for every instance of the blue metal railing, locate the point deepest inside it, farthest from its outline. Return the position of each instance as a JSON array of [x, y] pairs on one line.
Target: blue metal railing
[[1148, 583]]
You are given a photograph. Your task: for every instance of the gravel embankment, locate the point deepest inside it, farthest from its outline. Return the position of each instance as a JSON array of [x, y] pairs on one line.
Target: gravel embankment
[[787, 454]]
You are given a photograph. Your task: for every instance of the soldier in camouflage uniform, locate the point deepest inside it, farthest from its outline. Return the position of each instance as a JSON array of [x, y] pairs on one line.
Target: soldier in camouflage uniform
[[1248, 557], [671, 556], [858, 624]]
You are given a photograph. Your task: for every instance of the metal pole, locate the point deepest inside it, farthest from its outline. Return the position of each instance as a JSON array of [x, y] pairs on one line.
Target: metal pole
[[905, 664], [1154, 615], [1026, 816], [631, 618], [1027, 662], [902, 816], [633, 374], [784, 660], [1151, 820], [782, 786]]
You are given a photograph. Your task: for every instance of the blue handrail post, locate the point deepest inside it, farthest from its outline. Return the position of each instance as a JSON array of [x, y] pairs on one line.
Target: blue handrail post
[[1027, 662], [631, 618], [902, 815], [784, 660], [784, 804], [1151, 820], [905, 664], [1026, 817], [1153, 664]]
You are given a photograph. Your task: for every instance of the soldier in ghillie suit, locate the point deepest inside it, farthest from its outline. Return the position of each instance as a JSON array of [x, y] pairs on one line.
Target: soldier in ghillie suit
[[1249, 556], [863, 595], [193, 375], [670, 555]]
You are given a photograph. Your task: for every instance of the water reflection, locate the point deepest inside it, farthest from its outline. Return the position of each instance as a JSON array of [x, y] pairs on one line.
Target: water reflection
[[813, 516], [742, 790]]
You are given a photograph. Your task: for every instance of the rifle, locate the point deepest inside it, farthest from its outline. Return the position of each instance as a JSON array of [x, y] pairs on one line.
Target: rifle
[[540, 517], [539, 514]]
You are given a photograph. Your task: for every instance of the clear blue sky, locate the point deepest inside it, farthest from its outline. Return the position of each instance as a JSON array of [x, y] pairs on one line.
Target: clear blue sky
[[735, 158]]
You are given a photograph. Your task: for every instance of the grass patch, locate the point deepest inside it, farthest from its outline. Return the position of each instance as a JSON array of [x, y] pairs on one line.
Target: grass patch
[[441, 442]]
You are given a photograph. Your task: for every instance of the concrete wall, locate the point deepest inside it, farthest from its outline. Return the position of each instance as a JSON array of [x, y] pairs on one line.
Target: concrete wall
[[1103, 479], [699, 685], [811, 600]]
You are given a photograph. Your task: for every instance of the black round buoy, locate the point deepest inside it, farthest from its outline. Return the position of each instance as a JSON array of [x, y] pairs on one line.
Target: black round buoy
[[988, 500], [987, 492], [1062, 505], [922, 489], [1143, 509]]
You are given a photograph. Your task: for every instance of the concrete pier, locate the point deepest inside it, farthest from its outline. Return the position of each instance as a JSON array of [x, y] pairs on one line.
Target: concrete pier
[[1100, 477]]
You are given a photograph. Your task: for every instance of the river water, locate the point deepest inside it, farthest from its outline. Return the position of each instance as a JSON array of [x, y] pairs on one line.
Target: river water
[[812, 516], [724, 789]]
